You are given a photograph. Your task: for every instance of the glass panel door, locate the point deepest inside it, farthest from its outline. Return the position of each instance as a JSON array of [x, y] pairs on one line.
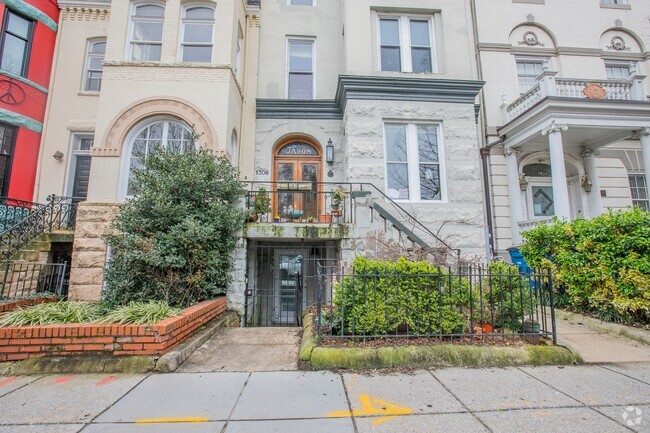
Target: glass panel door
[[288, 269], [310, 198], [297, 189]]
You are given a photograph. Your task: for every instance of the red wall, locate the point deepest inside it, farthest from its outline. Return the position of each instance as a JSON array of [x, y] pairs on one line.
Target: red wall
[[25, 157]]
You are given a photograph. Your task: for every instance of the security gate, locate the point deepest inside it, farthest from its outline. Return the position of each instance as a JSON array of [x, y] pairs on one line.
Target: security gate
[[282, 281]]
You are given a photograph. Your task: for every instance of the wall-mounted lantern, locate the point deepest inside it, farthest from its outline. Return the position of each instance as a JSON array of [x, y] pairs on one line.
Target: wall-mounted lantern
[[329, 152], [523, 182], [586, 183], [58, 155]]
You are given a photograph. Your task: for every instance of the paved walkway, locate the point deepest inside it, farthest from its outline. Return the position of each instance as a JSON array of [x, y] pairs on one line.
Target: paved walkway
[[600, 342], [581, 399], [247, 349]]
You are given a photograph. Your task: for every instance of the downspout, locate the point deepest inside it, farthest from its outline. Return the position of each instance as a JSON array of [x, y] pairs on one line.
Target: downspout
[[485, 154]]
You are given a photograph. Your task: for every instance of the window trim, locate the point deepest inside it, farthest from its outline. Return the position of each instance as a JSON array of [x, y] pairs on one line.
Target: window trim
[[641, 174], [617, 63], [239, 52], [529, 59], [290, 39], [84, 79], [181, 32], [127, 149], [414, 161], [129, 39], [28, 50], [537, 181], [405, 52], [75, 137]]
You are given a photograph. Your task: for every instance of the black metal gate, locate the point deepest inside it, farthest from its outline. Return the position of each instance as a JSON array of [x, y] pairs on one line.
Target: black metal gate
[[282, 280]]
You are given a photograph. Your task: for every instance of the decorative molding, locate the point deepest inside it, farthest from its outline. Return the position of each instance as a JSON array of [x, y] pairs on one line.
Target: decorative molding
[[32, 12], [12, 118], [530, 39], [85, 14], [589, 153], [569, 51], [643, 132], [23, 80], [555, 127], [298, 109], [618, 44]]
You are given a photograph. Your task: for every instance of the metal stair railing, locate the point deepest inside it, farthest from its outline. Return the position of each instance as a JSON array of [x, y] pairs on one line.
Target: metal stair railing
[[58, 214], [12, 211]]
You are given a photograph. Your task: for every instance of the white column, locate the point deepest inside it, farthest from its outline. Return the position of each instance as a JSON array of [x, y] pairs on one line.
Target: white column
[[589, 161], [644, 136], [558, 169], [514, 194]]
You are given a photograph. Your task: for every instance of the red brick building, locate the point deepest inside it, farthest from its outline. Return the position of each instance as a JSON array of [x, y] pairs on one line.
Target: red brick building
[[27, 37]]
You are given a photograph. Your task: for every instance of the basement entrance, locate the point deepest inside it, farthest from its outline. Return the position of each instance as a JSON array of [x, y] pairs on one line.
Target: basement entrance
[[282, 280]]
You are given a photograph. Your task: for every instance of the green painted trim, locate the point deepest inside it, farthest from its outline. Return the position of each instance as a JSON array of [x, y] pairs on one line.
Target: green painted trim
[[32, 12], [20, 120], [24, 80]]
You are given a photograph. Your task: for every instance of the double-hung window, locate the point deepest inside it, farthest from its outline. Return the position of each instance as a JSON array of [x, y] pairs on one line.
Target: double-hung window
[[618, 70], [639, 190], [94, 68], [17, 33], [414, 169], [146, 31], [528, 70], [406, 44], [198, 33], [300, 79]]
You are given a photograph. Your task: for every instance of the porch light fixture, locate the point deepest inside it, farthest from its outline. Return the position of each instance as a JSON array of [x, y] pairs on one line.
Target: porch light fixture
[[586, 183], [58, 155], [523, 182], [329, 152]]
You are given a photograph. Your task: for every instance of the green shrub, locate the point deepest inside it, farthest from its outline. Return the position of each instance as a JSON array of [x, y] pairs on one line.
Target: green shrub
[[603, 263], [509, 297], [51, 313], [139, 313], [176, 236]]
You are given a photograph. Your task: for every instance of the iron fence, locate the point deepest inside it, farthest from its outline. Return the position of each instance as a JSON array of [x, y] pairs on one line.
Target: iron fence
[[60, 213], [449, 304], [13, 211], [22, 279]]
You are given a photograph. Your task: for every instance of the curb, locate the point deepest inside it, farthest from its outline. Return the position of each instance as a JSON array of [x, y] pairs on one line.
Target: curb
[[443, 355], [170, 361]]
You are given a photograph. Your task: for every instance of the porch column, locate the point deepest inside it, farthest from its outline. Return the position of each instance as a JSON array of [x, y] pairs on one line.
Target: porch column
[[589, 161], [558, 170], [644, 137], [514, 194]]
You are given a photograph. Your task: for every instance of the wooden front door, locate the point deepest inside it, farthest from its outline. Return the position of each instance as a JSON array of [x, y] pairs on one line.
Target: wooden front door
[[297, 173]]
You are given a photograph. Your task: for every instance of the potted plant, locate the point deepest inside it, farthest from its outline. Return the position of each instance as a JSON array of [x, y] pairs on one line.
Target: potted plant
[[262, 203], [338, 195], [276, 218], [311, 219]]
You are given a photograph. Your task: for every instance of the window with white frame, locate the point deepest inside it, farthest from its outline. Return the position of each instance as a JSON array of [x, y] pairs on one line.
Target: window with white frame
[[197, 33], [170, 135], [94, 68], [614, 2], [617, 70], [79, 171], [300, 79], [414, 168], [527, 72], [233, 148], [639, 190], [302, 2], [238, 52], [146, 31], [406, 44]]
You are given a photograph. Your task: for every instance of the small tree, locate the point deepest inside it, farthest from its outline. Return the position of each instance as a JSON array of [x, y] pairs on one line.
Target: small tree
[[176, 236]]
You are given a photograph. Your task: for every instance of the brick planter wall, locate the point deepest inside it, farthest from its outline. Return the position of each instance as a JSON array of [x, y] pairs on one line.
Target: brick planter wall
[[24, 342], [12, 305]]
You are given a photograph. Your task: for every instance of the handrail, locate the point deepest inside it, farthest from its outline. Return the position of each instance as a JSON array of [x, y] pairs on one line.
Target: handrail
[[13, 210]]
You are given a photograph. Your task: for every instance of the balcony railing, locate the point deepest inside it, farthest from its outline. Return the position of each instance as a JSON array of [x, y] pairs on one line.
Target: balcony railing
[[529, 224], [631, 89]]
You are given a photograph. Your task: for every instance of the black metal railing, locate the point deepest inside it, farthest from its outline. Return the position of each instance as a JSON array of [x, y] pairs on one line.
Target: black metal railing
[[307, 202], [22, 279], [60, 213], [448, 304], [13, 211]]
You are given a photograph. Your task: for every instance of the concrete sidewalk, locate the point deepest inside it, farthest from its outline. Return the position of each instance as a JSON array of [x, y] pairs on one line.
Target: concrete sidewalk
[[549, 399]]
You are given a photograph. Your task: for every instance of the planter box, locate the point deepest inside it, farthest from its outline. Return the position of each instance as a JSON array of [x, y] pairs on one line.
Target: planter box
[[24, 342], [12, 305]]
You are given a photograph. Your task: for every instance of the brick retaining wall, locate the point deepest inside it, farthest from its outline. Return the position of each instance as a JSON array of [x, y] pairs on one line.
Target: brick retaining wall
[[12, 305], [24, 342]]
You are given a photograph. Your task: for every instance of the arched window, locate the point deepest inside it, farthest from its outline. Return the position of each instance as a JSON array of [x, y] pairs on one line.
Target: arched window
[[94, 67], [146, 31], [233, 148], [198, 33], [169, 134], [537, 170]]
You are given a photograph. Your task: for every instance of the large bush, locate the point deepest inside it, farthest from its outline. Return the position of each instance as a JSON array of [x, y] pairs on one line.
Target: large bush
[[176, 236], [602, 263]]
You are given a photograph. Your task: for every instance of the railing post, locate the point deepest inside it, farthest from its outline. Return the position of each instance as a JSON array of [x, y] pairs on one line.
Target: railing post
[[321, 286], [547, 84], [637, 91], [504, 108], [552, 301]]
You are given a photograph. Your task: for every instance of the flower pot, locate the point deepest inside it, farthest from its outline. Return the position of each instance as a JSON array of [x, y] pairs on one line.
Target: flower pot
[[252, 218], [326, 218], [483, 328], [531, 328], [335, 206], [276, 220]]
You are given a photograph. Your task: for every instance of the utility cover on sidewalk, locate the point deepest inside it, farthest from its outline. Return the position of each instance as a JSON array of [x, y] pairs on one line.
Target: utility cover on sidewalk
[[247, 349]]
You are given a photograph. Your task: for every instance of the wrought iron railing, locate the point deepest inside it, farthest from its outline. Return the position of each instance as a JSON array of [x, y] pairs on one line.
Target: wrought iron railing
[[23, 279], [59, 213], [469, 304], [13, 211]]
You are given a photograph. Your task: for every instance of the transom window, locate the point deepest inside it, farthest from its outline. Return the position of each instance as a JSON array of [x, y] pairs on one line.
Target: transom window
[[17, 33], [94, 68], [300, 80], [406, 44], [146, 31], [527, 72], [171, 135], [639, 190], [413, 162], [198, 33]]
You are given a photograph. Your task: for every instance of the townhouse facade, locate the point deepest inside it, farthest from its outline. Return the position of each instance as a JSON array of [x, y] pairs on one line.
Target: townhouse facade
[[565, 110], [27, 39]]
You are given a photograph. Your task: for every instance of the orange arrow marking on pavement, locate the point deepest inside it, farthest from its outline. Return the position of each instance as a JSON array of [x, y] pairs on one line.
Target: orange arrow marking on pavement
[[371, 406], [7, 381]]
